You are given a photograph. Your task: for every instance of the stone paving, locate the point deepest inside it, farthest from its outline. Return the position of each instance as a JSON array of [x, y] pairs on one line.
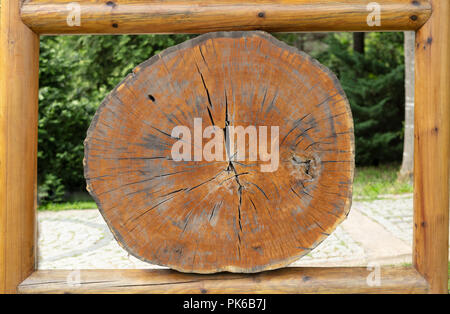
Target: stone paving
[[397, 218], [379, 231]]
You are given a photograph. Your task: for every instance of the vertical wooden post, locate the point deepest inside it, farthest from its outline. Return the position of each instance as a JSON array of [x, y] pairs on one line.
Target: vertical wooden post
[[19, 63], [431, 151]]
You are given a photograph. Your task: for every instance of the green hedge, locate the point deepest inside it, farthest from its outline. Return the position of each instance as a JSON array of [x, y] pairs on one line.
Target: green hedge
[[76, 73], [374, 85]]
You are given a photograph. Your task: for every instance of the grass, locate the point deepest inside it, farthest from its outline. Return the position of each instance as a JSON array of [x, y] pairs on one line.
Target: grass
[[68, 205], [373, 182]]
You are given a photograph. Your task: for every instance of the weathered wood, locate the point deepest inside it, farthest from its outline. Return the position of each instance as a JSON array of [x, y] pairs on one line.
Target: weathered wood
[[225, 215], [431, 147], [287, 280], [201, 16], [19, 61]]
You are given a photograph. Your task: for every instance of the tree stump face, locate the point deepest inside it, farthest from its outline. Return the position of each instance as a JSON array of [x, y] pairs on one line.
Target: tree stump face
[[229, 206]]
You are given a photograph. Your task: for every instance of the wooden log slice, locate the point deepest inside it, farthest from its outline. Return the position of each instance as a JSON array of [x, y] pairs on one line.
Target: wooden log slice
[[227, 214]]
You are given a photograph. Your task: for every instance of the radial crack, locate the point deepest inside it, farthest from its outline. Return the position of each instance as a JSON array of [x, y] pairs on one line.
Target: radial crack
[[207, 94]]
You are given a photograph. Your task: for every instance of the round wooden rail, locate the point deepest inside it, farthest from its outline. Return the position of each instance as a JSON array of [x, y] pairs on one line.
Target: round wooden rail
[[288, 280], [245, 210], [201, 16]]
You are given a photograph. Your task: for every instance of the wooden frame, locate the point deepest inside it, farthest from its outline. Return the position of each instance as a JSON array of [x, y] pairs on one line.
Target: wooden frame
[[21, 25]]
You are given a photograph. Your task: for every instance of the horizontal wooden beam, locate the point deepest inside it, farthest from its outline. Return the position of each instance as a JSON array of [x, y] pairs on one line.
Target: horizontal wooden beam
[[287, 280], [201, 16]]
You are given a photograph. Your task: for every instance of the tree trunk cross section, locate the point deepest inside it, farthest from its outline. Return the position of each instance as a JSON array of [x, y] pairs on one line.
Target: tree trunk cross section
[[223, 215]]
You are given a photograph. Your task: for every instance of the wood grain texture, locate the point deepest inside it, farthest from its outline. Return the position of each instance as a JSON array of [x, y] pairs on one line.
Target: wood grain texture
[[431, 147], [19, 61], [287, 280], [201, 16], [211, 216]]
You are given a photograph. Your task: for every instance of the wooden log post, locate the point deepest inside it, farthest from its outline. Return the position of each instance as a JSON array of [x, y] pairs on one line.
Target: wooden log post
[[223, 207], [19, 62], [431, 147]]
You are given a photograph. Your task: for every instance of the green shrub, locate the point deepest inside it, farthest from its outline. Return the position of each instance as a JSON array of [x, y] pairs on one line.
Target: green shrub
[[374, 85], [76, 73], [51, 189]]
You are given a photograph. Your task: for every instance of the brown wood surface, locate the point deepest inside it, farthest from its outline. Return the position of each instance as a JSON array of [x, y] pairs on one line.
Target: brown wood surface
[[201, 16], [200, 216], [19, 61], [287, 280], [431, 147]]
